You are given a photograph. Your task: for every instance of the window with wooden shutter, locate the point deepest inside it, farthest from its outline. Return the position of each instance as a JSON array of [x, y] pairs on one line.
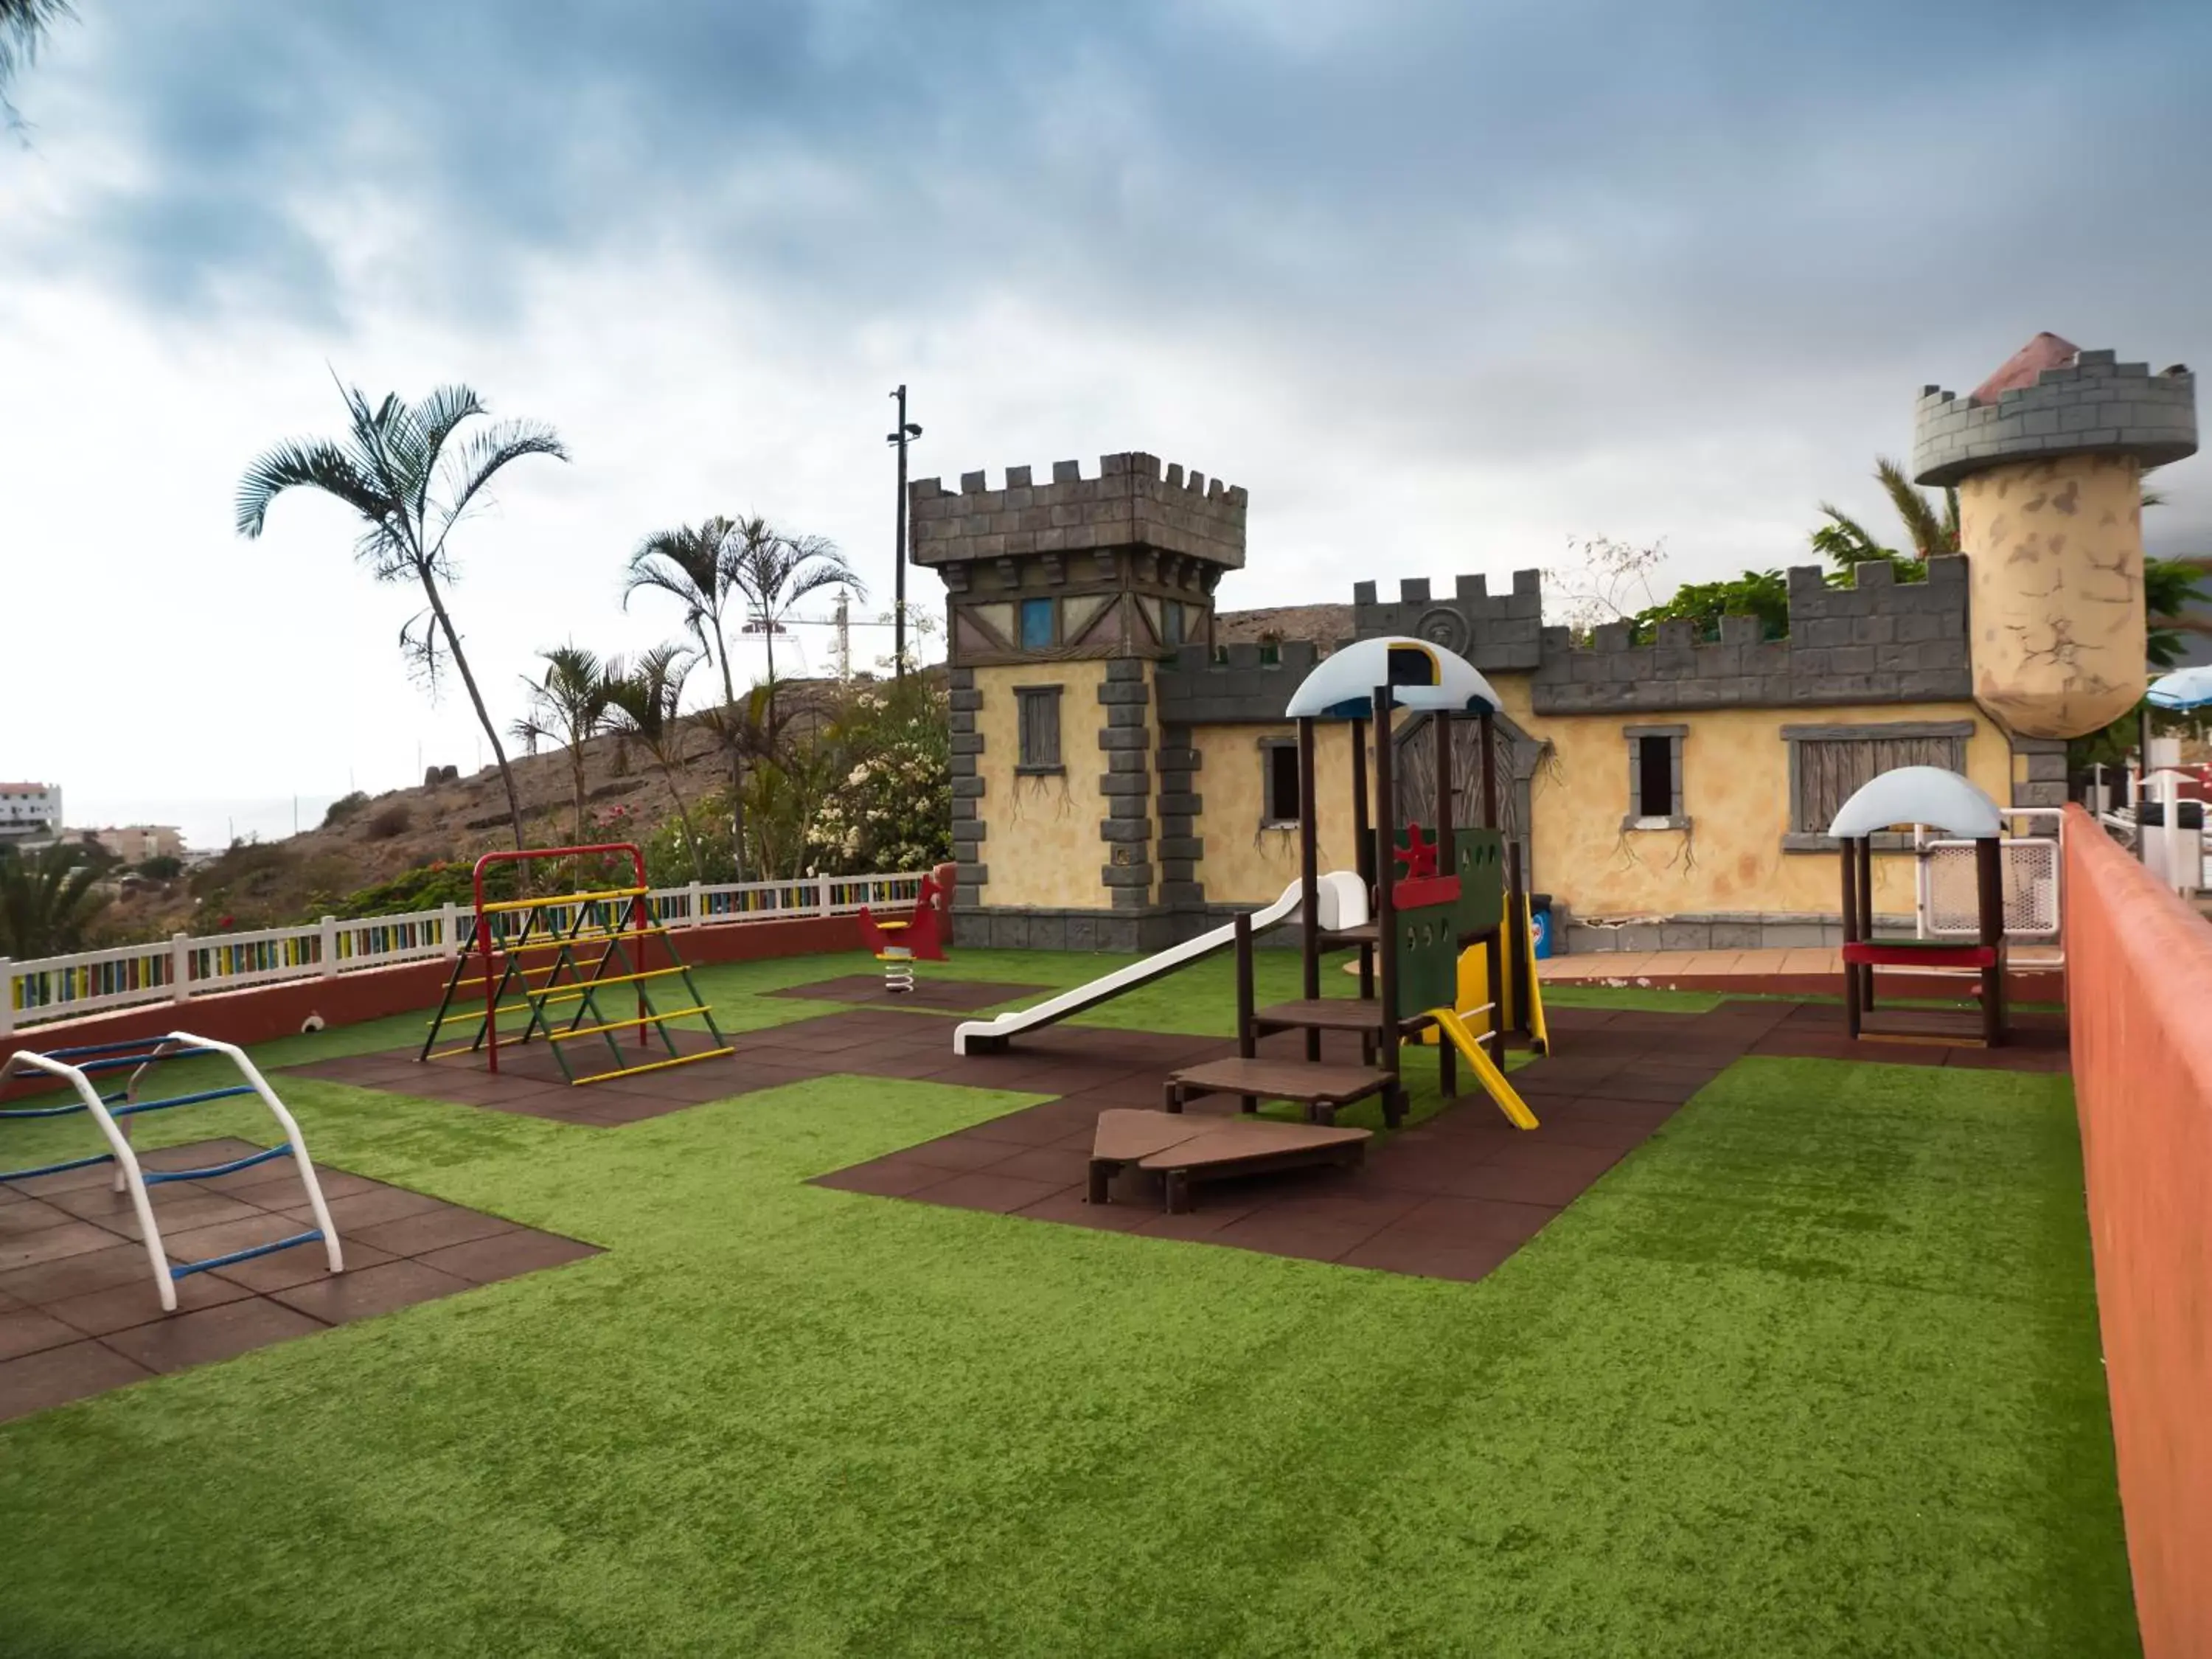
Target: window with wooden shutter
[[1038, 710], [1828, 764]]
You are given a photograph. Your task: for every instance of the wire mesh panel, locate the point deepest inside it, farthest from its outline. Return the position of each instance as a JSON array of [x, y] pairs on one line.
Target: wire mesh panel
[[2030, 870]]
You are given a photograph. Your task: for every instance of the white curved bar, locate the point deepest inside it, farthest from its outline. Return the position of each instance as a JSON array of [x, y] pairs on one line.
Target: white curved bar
[[126, 1163]]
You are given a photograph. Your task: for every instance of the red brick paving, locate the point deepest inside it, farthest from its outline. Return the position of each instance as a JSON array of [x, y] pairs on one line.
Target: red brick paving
[[79, 1313]]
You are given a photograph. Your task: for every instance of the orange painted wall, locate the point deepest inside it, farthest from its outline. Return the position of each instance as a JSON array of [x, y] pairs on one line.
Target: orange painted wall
[[2139, 973]]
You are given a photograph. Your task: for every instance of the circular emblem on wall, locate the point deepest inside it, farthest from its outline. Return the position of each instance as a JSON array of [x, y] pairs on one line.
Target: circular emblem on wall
[[1443, 626]]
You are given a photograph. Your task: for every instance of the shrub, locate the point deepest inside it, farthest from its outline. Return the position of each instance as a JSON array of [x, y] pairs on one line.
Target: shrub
[[344, 807], [162, 866], [389, 820]]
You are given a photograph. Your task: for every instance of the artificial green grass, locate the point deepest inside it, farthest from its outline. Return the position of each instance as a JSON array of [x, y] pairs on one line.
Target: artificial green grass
[[1814, 1371]]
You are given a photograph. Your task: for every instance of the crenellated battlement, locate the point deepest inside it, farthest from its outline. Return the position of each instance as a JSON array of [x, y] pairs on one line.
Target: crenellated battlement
[[1495, 632], [1135, 501], [1194, 689], [2091, 403], [1877, 641]]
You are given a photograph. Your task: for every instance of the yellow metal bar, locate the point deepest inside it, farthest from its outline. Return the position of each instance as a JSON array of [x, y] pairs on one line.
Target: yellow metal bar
[[564, 898], [623, 1024], [571, 994], [524, 973], [1506, 1097], [655, 1066]]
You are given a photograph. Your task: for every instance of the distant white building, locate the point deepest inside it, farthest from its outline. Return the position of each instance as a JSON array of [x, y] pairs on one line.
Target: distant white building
[[133, 843], [30, 811]]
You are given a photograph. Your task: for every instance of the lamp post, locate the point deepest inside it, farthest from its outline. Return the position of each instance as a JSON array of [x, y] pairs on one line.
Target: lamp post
[[904, 434]]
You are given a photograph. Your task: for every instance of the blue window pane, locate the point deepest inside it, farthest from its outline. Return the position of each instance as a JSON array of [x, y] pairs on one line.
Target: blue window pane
[[1036, 624]]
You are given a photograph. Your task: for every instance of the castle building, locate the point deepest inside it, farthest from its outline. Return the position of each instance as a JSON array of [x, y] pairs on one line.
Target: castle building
[[1120, 783]]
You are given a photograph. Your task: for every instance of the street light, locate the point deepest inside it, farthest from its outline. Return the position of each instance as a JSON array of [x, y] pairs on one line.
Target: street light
[[906, 433]]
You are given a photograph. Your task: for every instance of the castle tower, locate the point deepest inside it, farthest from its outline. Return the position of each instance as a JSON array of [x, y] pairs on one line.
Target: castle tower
[[2047, 456], [1061, 596]]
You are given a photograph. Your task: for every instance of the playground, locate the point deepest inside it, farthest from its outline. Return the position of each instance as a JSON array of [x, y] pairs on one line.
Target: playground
[[859, 1303], [1812, 1365]]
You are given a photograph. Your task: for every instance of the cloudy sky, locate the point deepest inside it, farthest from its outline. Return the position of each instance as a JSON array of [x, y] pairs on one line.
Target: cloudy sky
[[1445, 284]]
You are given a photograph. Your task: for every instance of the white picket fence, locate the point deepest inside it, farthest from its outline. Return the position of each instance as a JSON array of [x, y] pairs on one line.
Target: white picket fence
[[181, 968]]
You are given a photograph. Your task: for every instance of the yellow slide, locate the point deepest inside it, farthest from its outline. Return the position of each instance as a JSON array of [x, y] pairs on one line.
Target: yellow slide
[[1492, 1080], [1474, 993]]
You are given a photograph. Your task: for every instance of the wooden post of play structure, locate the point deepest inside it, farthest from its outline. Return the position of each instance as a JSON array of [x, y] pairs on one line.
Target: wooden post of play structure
[[1851, 1014], [1440, 727], [1362, 838], [1492, 959], [1247, 1047], [1386, 909], [1309, 882], [1989, 879], [1866, 917]]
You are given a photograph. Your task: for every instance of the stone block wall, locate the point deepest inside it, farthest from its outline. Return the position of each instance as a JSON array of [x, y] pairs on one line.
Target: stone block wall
[[1127, 741], [1878, 641], [969, 830], [1495, 632], [1133, 502], [1194, 690]]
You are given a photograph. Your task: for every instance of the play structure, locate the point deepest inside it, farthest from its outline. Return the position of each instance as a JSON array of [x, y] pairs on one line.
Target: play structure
[[918, 937], [1432, 909], [1439, 892], [1919, 795], [554, 958], [113, 1111]]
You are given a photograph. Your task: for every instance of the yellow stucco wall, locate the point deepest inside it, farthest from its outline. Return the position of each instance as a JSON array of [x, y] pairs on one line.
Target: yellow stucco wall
[[1243, 863], [1736, 792], [2055, 551], [1042, 846]]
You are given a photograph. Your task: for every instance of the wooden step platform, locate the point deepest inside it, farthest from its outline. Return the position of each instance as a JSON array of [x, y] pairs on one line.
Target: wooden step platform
[[1944, 1027], [1329, 1014], [1187, 1150], [1320, 1089]]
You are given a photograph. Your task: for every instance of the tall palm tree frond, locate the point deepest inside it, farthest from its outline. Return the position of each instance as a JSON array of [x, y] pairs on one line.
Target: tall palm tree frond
[[395, 460], [1931, 536], [23, 26]]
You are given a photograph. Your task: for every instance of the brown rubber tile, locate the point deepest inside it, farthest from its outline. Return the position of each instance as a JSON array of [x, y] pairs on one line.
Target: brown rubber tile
[[982, 1190], [1451, 1197], [27, 1330], [78, 1323], [54, 1376], [208, 1334], [955, 995], [371, 1290], [506, 1255]]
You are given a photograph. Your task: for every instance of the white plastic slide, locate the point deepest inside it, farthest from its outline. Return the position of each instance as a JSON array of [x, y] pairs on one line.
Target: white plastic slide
[[1342, 902]]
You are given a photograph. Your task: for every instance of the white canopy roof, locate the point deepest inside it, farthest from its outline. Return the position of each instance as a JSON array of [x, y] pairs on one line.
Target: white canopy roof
[[1917, 795], [1418, 674]]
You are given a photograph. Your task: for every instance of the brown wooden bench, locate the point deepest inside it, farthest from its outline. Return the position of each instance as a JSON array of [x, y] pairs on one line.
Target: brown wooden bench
[[1186, 1150]]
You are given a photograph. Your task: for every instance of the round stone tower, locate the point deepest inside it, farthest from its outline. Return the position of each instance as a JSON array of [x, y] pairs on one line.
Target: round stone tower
[[2047, 455]]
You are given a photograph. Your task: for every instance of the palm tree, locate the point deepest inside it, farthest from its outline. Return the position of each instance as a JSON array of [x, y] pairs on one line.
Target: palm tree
[[386, 469], [23, 26], [774, 572], [568, 705], [46, 902], [1846, 542], [644, 703], [693, 565]]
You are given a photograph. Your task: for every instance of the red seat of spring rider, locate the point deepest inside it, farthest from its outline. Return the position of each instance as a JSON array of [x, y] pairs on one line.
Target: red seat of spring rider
[[1877, 953], [922, 932]]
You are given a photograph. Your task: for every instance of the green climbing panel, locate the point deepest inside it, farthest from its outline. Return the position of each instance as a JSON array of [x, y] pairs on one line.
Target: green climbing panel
[[1480, 863]]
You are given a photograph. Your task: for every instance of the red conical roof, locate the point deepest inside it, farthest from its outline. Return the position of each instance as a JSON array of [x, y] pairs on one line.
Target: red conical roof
[[2043, 352]]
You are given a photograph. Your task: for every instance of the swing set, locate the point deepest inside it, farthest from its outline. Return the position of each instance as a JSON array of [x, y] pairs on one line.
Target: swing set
[[554, 960]]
